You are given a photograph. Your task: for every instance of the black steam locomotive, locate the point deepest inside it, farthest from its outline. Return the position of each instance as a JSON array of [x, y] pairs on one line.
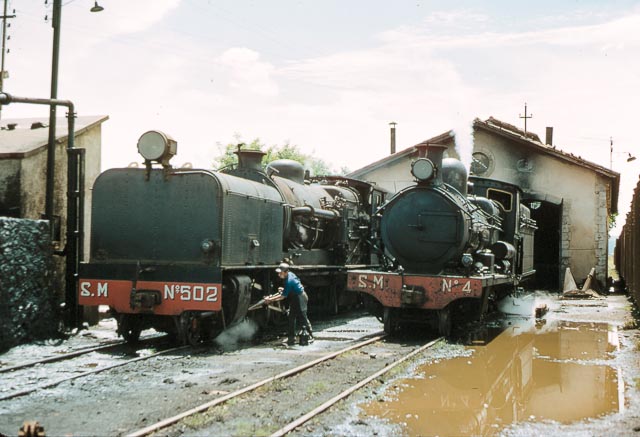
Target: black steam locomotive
[[188, 251], [450, 251]]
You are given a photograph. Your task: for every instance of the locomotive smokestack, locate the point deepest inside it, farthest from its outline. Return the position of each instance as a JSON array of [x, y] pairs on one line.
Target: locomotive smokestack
[[393, 136], [549, 136], [249, 159]]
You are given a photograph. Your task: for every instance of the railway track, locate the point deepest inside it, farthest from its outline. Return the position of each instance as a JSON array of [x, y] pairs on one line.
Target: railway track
[[23, 382], [104, 346], [303, 418]]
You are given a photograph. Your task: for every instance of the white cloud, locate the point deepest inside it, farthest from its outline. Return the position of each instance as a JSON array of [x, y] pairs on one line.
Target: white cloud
[[247, 72], [134, 63]]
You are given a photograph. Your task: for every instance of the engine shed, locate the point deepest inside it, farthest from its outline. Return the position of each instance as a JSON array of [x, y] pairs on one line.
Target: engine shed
[[571, 199], [23, 169]]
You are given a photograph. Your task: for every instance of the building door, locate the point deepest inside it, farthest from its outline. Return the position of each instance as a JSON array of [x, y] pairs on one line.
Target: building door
[[546, 251]]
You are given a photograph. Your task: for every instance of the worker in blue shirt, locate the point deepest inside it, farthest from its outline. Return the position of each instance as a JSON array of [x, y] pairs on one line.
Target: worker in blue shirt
[[293, 291]]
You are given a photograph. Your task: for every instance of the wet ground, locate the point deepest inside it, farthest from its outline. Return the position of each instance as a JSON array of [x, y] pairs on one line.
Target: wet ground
[[558, 372], [574, 372]]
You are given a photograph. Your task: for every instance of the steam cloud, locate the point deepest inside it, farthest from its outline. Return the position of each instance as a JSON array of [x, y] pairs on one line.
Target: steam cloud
[[524, 305], [243, 331], [464, 142]]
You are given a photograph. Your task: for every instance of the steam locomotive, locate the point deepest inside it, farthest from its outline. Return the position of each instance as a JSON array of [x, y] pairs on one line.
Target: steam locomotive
[[450, 252], [189, 251]]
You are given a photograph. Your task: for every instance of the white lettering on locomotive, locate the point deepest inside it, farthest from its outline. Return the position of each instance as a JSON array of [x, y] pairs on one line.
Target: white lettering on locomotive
[[447, 286], [103, 289], [186, 292], [212, 293], [84, 289], [361, 281], [378, 280], [169, 292]]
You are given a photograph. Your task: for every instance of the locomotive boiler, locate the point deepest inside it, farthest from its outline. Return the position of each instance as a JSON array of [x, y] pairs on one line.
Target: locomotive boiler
[[448, 250], [188, 251]]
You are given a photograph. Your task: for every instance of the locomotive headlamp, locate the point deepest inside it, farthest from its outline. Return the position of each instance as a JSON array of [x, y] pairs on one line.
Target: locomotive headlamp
[[157, 146], [422, 169]]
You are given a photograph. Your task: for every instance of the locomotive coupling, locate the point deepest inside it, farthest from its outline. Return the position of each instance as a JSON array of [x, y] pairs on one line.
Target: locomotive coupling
[[414, 296], [144, 299]]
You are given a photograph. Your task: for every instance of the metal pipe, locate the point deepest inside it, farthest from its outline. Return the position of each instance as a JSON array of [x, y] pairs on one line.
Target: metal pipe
[[51, 147], [393, 136], [4, 17], [75, 201], [309, 210]]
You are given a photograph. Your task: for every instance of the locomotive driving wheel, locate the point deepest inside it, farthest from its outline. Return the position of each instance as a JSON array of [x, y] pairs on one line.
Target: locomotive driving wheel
[[390, 320], [129, 327], [190, 329], [444, 322]]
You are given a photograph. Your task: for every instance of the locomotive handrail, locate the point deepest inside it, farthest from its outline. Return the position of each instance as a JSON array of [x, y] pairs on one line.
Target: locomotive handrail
[[316, 212], [249, 196]]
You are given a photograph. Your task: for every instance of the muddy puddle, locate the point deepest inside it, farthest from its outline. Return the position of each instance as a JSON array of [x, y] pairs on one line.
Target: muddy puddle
[[557, 372]]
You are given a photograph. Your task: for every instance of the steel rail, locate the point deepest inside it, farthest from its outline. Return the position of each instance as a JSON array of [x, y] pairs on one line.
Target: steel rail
[[90, 372], [171, 420], [296, 423], [76, 353]]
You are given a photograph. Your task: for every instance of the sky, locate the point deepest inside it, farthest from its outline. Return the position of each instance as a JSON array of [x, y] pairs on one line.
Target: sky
[[329, 76]]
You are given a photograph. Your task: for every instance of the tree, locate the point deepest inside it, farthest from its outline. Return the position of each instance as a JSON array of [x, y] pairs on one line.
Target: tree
[[228, 158]]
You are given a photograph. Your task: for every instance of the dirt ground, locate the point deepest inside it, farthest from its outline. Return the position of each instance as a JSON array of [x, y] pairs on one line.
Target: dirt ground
[[129, 398]]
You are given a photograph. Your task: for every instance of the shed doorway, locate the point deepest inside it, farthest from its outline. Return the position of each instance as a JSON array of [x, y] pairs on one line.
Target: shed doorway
[[546, 252]]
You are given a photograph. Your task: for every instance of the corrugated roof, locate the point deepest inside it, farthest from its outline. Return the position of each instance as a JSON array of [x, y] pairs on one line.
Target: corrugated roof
[[23, 141]]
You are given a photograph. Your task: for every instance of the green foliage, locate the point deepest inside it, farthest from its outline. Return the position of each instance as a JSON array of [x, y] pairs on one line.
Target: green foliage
[[228, 158], [612, 220]]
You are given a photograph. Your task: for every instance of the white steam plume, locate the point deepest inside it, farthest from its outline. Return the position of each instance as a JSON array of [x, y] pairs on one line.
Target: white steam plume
[[464, 142], [243, 331]]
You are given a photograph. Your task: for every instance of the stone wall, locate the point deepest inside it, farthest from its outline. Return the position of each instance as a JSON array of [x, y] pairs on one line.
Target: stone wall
[[601, 232], [29, 307]]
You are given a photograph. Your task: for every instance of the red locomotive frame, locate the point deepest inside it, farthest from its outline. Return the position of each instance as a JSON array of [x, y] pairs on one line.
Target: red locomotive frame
[[432, 292]]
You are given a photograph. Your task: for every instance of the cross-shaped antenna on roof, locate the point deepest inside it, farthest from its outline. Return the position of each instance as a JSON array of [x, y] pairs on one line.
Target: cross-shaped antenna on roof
[[4, 17], [525, 117]]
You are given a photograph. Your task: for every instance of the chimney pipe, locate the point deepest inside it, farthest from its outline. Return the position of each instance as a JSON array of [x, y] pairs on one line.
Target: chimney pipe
[[393, 136], [249, 158], [549, 136]]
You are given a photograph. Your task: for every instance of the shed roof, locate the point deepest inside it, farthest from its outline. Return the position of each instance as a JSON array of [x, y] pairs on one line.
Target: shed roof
[[518, 136], [24, 140]]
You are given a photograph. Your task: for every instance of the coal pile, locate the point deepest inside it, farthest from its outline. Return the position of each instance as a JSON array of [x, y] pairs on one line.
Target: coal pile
[[29, 307]]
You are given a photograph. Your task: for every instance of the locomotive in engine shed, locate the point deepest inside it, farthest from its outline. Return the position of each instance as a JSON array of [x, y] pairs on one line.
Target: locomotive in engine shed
[[449, 252], [188, 251]]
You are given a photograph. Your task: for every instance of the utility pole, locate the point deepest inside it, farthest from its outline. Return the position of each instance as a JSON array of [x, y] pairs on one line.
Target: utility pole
[[4, 74], [51, 148], [525, 117], [610, 153]]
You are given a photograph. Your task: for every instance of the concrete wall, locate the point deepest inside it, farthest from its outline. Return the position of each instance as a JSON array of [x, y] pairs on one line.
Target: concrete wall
[[29, 173], [582, 192]]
